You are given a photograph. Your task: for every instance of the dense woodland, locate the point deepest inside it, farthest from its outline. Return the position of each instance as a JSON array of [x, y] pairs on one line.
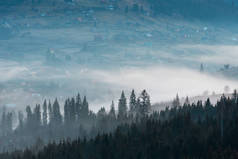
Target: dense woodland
[[200, 130], [39, 125]]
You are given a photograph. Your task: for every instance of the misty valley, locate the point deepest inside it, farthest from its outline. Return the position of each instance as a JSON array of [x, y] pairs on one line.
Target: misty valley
[[118, 79]]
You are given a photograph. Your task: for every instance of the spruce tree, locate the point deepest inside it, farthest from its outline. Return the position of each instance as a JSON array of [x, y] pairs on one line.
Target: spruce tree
[[9, 122], [132, 103], [45, 116], [176, 102], [29, 117], [20, 120], [72, 111], [112, 112], [78, 106], [85, 110], [66, 112], [57, 118], [186, 102], [207, 103], [50, 110], [37, 116], [102, 121], [122, 107], [4, 120], [112, 119], [144, 104]]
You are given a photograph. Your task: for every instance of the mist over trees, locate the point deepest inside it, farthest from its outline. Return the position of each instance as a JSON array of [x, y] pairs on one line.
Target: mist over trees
[[129, 129], [189, 131], [42, 124]]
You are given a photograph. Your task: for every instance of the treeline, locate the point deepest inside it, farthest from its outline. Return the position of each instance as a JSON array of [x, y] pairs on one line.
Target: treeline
[[41, 124], [190, 131]]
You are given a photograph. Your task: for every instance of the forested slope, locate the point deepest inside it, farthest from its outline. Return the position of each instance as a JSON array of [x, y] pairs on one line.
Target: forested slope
[[188, 131]]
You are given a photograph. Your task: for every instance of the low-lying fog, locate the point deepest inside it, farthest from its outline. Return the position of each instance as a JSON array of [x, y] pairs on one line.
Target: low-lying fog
[[31, 82], [48, 57]]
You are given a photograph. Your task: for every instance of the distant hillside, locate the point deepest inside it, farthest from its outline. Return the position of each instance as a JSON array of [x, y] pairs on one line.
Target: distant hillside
[[229, 71], [201, 9], [213, 98]]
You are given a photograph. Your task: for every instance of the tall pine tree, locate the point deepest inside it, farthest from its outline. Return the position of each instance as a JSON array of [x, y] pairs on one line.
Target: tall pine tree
[[84, 112], [78, 106], [37, 116], [66, 112], [50, 110], [144, 104], [45, 116], [132, 103], [57, 117], [122, 107], [112, 112]]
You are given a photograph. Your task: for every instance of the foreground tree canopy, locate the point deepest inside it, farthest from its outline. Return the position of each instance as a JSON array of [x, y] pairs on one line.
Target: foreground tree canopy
[[189, 131]]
